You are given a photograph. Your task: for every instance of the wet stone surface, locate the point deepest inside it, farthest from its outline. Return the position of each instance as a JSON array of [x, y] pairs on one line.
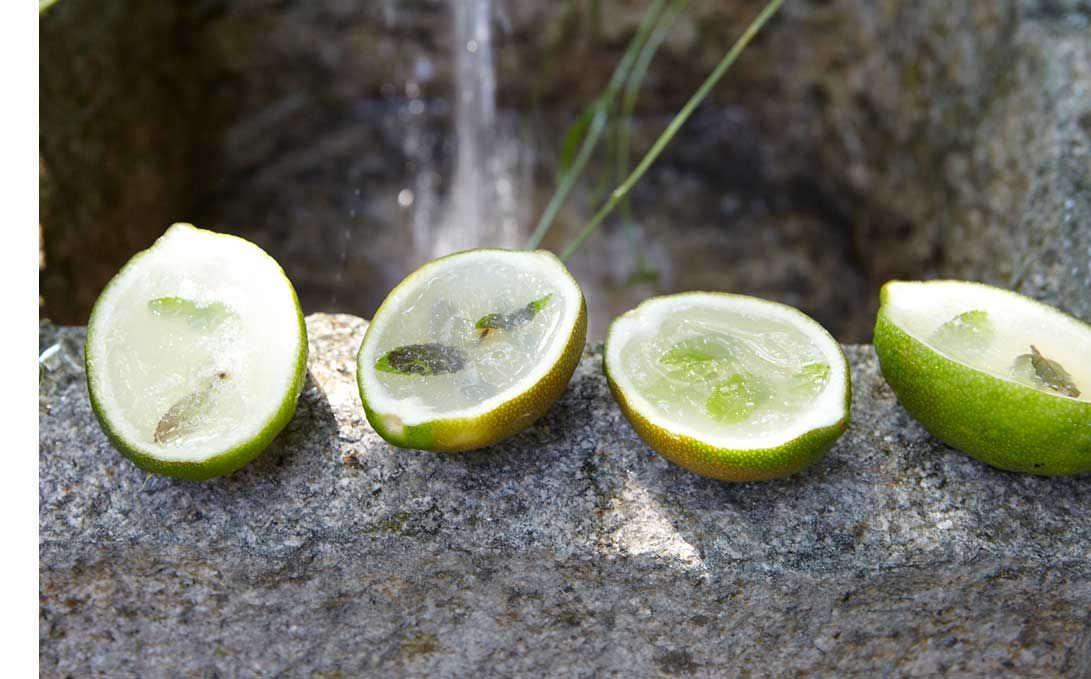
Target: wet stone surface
[[569, 550]]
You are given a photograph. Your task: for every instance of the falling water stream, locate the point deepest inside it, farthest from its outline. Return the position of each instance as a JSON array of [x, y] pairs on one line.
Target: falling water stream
[[480, 207]]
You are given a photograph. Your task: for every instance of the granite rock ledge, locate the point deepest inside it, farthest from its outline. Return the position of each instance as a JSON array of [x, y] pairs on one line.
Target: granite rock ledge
[[570, 550]]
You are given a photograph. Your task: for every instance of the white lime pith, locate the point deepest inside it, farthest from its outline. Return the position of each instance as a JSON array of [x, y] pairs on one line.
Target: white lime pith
[[731, 387], [470, 349], [196, 354], [995, 374]]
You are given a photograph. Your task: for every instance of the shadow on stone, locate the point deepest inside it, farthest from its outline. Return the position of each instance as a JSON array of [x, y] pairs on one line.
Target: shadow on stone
[[312, 431]]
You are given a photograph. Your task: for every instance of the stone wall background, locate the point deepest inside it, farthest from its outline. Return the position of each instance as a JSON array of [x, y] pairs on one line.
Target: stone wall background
[[117, 144], [922, 138]]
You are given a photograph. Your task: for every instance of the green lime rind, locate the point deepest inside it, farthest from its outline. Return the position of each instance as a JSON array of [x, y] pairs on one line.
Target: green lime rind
[[456, 435], [730, 464], [1002, 423], [230, 460]]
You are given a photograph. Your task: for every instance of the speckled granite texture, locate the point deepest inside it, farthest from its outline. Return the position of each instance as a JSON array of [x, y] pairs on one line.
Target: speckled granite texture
[[571, 550]]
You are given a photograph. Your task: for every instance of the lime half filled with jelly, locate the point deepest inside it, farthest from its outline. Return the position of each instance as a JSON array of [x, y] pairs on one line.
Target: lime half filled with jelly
[[995, 374], [470, 349], [731, 387], [196, 353]]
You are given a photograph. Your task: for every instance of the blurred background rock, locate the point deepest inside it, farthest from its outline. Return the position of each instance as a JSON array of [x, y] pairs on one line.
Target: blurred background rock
[[854, 141]]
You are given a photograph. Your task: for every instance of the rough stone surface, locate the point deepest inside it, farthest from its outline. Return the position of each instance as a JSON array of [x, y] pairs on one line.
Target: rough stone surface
[[570, 550]]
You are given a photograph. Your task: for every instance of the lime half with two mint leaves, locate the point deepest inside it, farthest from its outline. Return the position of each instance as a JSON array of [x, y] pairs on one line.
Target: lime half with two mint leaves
[[470, 349], [196, 353], [995, 374], [731, 387]]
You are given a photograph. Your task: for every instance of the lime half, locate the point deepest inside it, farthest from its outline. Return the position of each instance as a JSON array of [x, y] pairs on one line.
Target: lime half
[[196, 353], [993, 373], [732, 387], [471, 348]]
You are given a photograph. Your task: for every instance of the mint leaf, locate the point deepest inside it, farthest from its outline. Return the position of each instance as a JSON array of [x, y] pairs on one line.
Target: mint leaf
[[693, 351], [493, 321], [540, 303], [510, 321], [186, 415], [200, 315], [736, 398], [698, 359], [809, 381], [422, 359], [967, 335], [1039, 371]]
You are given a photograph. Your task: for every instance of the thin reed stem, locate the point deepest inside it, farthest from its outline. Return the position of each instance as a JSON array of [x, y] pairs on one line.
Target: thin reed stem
[[602, 106], [672, 129]]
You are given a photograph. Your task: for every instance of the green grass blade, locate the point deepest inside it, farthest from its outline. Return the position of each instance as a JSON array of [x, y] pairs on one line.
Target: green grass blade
[[675, 124], [573, 139], [625, 127], [601, 108], [636, 79]]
